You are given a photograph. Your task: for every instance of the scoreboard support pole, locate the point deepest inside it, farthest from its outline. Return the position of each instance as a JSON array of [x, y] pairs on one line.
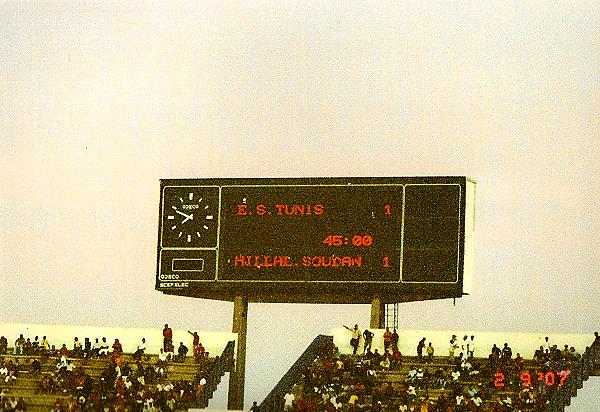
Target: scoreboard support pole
[[377, 314], [237, 377]]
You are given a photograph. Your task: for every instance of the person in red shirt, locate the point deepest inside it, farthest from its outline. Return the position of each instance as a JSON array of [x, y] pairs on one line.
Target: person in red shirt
[[199, 352], [167, 336], [63, 350], [3, 345], [420, 348], [519, 361], [195, 341], [397, 358], [310, 405], [387, 338], [117, 347], [58, 404], [116, 353]]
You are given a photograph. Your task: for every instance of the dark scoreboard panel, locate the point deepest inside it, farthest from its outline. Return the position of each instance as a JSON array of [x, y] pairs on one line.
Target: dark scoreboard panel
[[313, 239]]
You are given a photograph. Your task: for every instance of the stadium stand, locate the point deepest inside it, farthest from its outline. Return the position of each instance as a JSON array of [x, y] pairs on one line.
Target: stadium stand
[[320, 345], [325, 379], [34, 377]]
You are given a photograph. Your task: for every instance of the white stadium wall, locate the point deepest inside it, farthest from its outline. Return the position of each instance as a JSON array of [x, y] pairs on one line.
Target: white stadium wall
[[213, 342], [523, 343]]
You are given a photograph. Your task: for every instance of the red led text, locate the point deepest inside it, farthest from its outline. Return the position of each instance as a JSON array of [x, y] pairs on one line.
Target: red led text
[[268, 261], [281, 210]]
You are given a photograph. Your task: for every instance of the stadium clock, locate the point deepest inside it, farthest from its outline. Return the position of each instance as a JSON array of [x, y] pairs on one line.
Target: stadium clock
[[189, 218]]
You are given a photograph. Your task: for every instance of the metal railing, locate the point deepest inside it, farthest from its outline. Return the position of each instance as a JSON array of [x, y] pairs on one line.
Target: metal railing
[[579, 374], [222, 365], [272, 401]]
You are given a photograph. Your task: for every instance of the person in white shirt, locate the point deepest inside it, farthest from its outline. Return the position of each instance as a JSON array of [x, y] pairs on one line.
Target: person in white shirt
[[455, 375], [62, 363], [149, 405], [163, 356], [95, 349], [471, 347], [103, 348], [354, 340], [289, 401], [547, 345], [459, 400], [140, 350], [70, 367], [419, 375], [464, 347]]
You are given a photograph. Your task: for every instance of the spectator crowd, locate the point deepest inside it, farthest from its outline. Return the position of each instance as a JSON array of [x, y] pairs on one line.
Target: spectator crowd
[[454, 381], [134, 382]]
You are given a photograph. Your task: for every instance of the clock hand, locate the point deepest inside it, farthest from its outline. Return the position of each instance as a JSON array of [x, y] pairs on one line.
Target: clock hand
[[183, 214], [190, 217]]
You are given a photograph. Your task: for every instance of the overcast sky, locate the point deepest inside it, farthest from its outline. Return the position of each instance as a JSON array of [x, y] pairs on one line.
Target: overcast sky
[[98, 102]]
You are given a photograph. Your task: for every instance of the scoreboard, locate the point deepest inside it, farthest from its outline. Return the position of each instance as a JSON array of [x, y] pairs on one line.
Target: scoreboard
[[315, 239]]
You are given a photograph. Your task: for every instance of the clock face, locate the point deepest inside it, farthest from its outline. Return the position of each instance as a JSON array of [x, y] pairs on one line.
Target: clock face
[[189, 216]]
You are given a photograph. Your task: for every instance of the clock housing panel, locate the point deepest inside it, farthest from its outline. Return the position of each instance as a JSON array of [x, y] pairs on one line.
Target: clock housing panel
[[189, 216]]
